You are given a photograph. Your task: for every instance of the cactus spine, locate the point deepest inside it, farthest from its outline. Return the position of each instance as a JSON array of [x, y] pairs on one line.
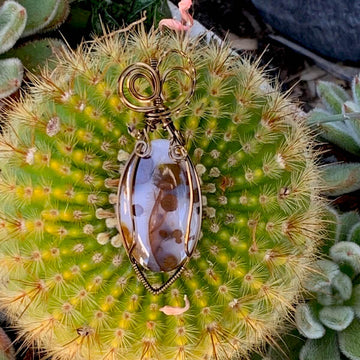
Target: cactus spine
[[67, 283]]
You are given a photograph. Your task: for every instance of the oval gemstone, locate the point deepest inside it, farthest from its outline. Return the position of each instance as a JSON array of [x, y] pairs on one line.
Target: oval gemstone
[[159, 209]]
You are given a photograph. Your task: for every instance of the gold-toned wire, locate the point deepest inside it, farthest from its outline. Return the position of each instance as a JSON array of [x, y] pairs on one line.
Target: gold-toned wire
[[156, 112], [154, 102]]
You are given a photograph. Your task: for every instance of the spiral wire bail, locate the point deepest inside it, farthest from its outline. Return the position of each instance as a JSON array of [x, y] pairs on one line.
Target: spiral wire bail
[[153, 104]]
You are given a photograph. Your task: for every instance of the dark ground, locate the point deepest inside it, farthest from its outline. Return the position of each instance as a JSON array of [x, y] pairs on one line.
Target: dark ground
[[241, 18], [296, 73]]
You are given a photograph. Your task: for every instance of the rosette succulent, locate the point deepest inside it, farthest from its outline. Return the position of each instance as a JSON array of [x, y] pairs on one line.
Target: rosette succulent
[[330, 321], [24, 18], [67, 284]]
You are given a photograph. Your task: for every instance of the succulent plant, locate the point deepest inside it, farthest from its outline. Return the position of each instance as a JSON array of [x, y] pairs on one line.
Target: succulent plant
[[23, 18], [330, 321], [339, 123], [67, 284]]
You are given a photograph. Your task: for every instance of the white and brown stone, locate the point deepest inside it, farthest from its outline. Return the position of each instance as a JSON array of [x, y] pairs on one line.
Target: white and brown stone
[[154, 209]]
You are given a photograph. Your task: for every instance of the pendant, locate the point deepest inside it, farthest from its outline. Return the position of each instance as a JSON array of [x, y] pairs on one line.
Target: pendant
[[159, 207]]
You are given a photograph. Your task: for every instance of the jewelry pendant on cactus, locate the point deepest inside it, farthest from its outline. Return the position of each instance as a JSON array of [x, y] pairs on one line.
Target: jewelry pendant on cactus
[[159, 198]]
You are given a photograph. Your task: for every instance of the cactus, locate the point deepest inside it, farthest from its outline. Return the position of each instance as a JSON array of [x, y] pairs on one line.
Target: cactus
[[330, 321], [23, 18], [67, 284]]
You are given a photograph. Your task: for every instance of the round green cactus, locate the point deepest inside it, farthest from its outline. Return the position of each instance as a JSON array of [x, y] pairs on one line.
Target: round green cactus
[[67, 283]]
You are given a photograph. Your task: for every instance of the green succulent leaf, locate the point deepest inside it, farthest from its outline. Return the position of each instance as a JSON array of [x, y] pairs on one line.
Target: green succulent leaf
[[324, 272], [12, 23], [355, 300], [325, 296], [353, 123], [336, 317], [307, 322], [354, 234], [346, 223], [346, 253], [351, 107], [332, 95], [336, 132], [341, 178], [355, 87], [332, 219], [40, 14], [342, 285], [325, 348], [60, 16], [37, 53], [11, 74], [349, 341]]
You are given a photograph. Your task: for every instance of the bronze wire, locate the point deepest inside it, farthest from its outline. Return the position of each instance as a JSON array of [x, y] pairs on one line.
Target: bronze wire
[[154, 114]]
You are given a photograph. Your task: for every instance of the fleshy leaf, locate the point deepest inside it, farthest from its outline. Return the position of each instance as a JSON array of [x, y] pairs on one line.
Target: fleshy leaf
[[12, 23], [324, 272], [11, 74], [326, 297], [60, 16], [332, 219], [352, 123], [355, 300], [347, 253], [341, 178], [36, 53], [342, 285], [354, 234], [346, 222], [336, 132], [332, 95], [40, 14], [307, 323], [336, 317], [349, 341], [325, 348]]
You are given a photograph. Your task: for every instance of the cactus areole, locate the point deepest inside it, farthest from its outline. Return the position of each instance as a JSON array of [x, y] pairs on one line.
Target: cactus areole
[[116, 168], [159, 198]]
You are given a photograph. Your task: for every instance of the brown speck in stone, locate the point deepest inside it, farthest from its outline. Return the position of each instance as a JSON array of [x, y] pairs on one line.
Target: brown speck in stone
[[126, 234], [177, 234], [169, 202], [163, 233], [167, 176], [138, 210], [170, 262]]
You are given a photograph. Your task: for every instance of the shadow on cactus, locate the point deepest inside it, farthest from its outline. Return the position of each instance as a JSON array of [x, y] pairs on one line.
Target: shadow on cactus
[[67, 284], [331, 320], [23, 18], [339, 123]]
